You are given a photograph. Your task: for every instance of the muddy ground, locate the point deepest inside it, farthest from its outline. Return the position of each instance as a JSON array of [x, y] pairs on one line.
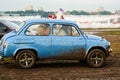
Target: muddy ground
[[66, 70]]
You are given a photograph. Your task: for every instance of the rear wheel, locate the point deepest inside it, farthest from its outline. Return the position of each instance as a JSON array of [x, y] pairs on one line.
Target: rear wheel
[[96, 58], [25, 59]]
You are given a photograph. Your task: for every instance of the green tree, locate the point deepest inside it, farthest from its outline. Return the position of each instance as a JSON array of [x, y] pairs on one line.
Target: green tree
[[84, 13], [105, 13], [74, 12]]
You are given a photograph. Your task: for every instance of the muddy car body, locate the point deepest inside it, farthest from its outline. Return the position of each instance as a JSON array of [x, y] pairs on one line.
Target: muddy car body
[[53, 39]]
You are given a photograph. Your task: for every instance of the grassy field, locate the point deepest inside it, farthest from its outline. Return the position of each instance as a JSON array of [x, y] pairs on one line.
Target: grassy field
[[110, 33]]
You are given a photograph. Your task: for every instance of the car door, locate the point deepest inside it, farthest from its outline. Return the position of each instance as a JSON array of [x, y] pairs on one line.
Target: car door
[[40, 33], [67, 42]]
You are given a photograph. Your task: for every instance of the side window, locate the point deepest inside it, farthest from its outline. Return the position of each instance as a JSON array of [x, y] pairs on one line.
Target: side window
[[64, 30], [74, 32], [38, 30]]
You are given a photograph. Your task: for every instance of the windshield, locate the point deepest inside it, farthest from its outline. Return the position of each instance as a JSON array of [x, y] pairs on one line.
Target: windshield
[[21, 24]]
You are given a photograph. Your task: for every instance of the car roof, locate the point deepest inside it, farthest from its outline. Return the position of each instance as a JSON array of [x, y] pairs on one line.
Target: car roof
[[50, 21]]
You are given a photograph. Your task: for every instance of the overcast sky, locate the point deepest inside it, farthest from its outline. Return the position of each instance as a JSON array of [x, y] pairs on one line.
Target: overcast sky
[[54, 5]]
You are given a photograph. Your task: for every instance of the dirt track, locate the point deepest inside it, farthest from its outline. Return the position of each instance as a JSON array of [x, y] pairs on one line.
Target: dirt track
[[65, 70]]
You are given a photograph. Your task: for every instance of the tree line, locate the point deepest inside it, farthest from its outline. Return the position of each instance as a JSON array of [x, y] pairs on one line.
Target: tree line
[[45, 13]]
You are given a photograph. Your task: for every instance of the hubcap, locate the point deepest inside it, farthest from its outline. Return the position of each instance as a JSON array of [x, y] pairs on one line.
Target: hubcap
[[96, 58], [26, 59]]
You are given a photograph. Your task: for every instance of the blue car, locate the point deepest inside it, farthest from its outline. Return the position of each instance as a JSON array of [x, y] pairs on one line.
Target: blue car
[[52, 39]]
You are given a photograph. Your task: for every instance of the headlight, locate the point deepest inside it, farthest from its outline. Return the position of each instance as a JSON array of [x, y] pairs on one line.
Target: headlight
[[4, 45]]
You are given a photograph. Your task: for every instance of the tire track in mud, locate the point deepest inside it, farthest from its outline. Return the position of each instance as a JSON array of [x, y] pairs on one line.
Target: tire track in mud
[[63, 71]]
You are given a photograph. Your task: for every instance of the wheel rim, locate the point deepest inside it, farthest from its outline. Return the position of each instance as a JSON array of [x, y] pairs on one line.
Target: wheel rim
[[96, 58], [26, 59]]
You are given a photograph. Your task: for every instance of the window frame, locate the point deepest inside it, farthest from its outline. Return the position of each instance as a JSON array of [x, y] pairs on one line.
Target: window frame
[[69, 25], [36, 31]]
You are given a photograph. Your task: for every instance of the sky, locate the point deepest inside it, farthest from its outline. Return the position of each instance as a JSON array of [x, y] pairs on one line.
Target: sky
[[54, 5]]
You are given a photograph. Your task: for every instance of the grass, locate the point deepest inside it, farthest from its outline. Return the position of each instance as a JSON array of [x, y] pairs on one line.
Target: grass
[[110, 33], [6, 60]]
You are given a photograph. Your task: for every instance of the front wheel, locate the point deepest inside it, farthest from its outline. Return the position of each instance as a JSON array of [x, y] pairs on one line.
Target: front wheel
[[25, 59], [96, 58]]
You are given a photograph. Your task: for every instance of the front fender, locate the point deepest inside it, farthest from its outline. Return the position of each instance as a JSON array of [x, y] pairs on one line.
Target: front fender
[[96, 44]]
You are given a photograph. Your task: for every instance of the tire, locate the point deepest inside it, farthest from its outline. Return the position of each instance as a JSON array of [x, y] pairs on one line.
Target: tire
[[96, 58], [25, 59]]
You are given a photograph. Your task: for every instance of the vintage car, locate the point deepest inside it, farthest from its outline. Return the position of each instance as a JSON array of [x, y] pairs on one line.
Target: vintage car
[[53, 39]]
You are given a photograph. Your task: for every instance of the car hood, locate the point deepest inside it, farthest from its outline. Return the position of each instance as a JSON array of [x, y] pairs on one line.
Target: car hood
[[93, 37]]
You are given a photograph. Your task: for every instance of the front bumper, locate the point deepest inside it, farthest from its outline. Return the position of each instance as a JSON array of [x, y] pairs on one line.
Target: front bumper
[[110, 51]]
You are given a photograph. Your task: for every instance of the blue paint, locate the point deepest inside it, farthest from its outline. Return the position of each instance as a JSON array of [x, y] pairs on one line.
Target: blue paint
[[49, 46]]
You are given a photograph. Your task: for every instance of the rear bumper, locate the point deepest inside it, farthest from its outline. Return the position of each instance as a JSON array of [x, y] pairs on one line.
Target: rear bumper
[[1, 55]]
